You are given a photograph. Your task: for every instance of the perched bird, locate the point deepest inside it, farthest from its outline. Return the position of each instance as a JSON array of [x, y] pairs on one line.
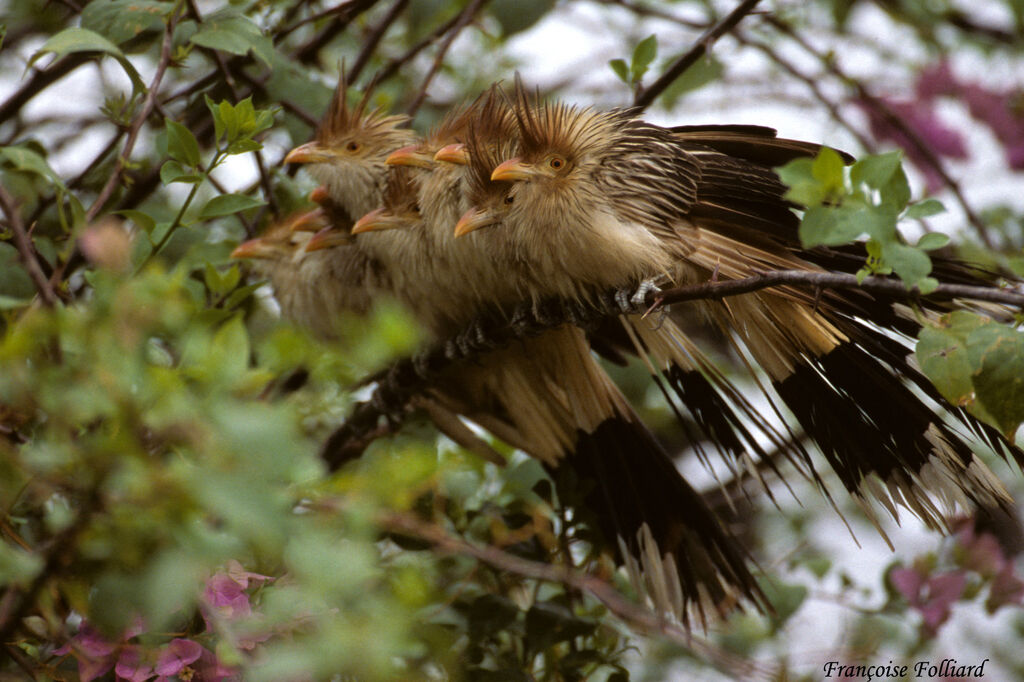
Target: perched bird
[[547, 396], [347, 279], [349, 151], [604, 200]]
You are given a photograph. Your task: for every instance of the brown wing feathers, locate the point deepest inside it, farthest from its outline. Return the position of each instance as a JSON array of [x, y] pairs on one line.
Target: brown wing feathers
[[582, 202]]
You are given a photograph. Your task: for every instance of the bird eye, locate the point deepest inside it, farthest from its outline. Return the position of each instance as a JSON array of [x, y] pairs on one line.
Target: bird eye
[[352, 146], [509, 199], [556, 162]]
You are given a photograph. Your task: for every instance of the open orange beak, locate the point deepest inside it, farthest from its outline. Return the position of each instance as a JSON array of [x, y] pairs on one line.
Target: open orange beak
[[254, 248], [311, 152], [513, 170], [474, 219], [328, 238], [410, 156], [453, 153], [310, 221]]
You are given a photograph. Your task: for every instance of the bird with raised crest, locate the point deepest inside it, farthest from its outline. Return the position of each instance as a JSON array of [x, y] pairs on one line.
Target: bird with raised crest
[[604, 200]]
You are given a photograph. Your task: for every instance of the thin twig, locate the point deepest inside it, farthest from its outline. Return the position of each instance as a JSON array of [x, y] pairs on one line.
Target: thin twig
[[834, 280], [140, 118], [25, 249], [464, 18], [398, 62], [344, 14], [812, 84], [371, 41], [897, 122], [645, 97], [637, 617]]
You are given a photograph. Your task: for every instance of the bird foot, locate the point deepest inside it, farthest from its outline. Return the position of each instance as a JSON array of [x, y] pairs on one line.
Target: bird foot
[[635, 301]]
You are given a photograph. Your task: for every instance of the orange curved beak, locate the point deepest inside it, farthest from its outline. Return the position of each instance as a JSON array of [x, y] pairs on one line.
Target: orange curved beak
[[319, 195], [254, 248], [453, 153], [328, 238], [311, 152], [474, 219], [379, 219], [310, 221], [410, 156], [514, 169]]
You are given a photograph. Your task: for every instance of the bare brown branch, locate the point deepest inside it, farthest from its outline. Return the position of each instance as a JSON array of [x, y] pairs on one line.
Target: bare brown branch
[[26, 251], [465, 17], [645, 97]]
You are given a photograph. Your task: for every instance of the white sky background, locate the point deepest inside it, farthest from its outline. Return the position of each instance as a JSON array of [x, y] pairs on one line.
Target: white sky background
[[580, 38]]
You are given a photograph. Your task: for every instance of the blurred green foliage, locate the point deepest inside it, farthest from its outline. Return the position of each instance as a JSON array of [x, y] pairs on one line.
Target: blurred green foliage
[[159, 478]]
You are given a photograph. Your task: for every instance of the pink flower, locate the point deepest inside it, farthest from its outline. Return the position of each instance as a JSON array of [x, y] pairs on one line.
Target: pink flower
[[920, 118], [227, 596], [932, 596], [131, 665], [95, 654], [178, 654]]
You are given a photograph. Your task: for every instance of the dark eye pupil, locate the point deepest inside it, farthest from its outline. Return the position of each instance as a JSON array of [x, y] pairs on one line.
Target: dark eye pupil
[[509, 199], [352, 146]]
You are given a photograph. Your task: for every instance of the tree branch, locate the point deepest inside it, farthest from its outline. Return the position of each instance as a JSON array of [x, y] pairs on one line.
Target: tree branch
[[834, 280], [464, 18], [372, 40], [645, 97], [25, 249], [637, 617], [897, 122]]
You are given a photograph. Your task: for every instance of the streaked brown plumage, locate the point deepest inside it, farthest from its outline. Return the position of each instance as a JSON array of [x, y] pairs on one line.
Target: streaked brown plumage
[[547, 396], [604, 200]]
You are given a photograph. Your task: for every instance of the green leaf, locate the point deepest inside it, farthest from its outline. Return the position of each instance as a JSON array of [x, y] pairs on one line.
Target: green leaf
[[77, 39], [924, 209], [144, 221], [942, 356], [876, 170], [181, 144], [997, 354], [226, 204], [831, 226], [243, 146], [232, 32], [804, 188], [122, 20], [515, 16], [644, 53], [172, 171], [785, 598], [896, 192], [912, 265], [620, 69], [25, 159], [702, 72], [932, 240], [828, 168]]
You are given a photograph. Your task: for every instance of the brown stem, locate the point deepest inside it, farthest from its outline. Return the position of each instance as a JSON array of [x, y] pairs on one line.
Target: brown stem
[[645, 97], [464, 18], [833, 280], [139, 121], [897, 122], [25, 249], [637, 617], [371, 41]]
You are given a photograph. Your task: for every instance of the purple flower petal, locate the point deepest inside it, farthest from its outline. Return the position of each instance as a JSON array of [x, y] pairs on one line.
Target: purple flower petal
[[131, 666], [241, 576], [176, 655], [908, 582], [1006, 588]]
